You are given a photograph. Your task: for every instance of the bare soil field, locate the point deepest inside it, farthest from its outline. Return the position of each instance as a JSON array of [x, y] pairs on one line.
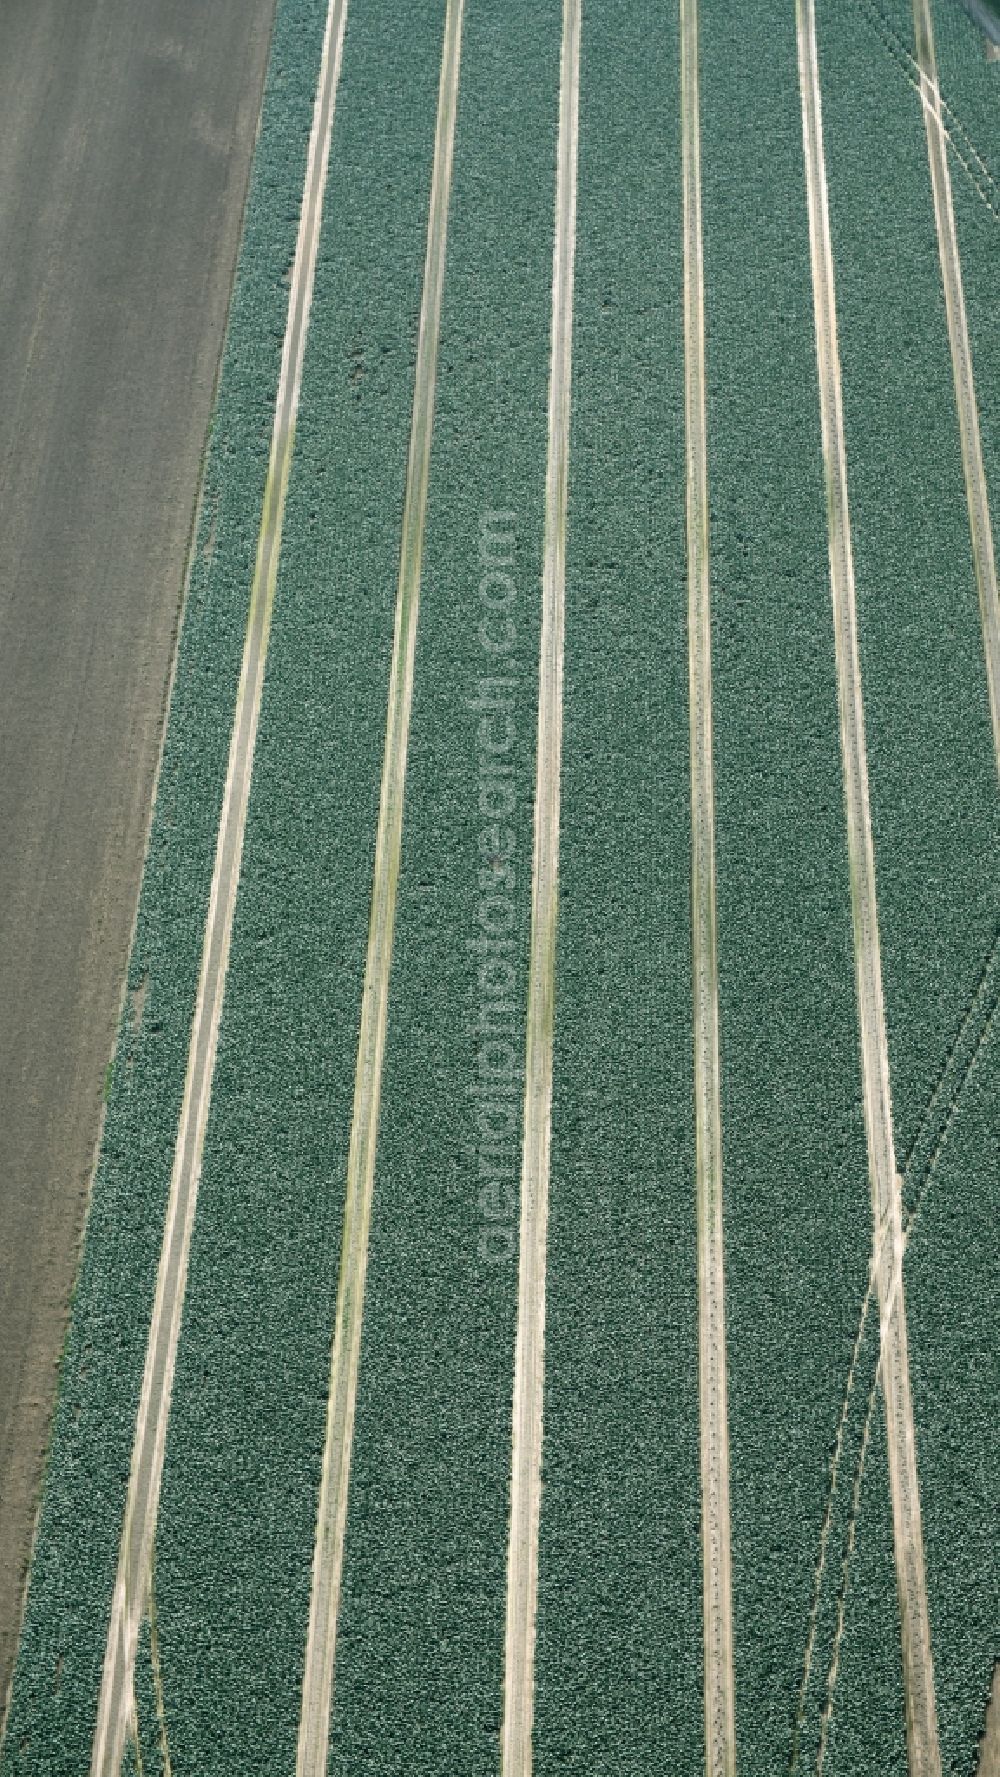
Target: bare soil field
[[125, 139]]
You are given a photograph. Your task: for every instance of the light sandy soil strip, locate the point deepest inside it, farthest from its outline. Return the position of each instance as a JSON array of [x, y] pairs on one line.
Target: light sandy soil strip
[[961, 359], [720, 1711], [116, 1706], [328, 1557], [918, 1673], [529, 1361], [989, 1749]]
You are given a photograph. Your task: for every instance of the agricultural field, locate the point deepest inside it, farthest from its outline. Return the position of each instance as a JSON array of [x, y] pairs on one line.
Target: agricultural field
[[538, 1304]]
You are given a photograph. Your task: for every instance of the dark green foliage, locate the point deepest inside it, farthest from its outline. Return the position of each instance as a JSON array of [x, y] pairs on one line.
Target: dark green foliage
[[420, 1657], [931, 761], [985, 16], [934, 805], [798, 1217], [953, 1282], [869, 1679], [152, 1726], [970, 86], [247, 1429], [619, 1630]]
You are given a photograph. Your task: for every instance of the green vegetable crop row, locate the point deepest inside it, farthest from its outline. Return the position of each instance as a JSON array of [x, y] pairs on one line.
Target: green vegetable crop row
[[797, 1202], [933, 776], [619, 1658], [420, 1665], [235, 1549]]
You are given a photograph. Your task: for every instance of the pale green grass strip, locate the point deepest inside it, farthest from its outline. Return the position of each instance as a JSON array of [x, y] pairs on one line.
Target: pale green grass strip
[[918, 1673], [529, 1359], [961, 359], [717, 1592], [116, 1707], [328, 1558]]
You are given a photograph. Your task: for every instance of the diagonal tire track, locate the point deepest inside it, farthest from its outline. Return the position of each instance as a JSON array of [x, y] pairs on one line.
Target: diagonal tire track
[[918, 1170], [918, 1672]]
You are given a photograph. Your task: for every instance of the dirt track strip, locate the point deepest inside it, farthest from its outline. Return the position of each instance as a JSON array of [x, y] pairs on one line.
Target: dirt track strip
[[328, 1558], [961, 359], [529, 1353], [720, 1709], [116, 1706], [918, 1673]]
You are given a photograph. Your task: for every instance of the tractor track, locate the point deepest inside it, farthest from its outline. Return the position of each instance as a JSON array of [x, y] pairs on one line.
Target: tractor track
[[720, 1708], [529, 1351], [918, 1673]]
